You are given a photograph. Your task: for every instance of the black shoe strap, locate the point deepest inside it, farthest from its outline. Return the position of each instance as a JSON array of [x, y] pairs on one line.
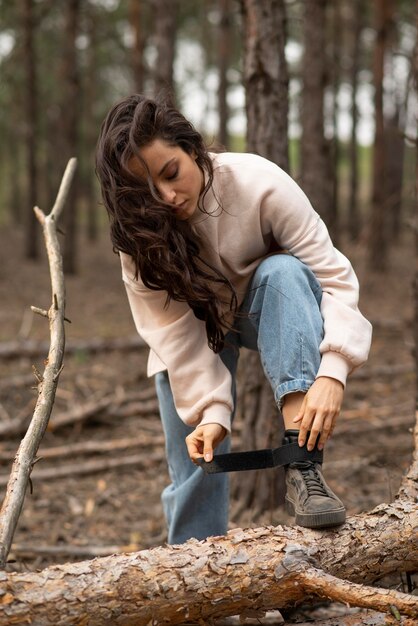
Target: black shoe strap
[[260, 459]]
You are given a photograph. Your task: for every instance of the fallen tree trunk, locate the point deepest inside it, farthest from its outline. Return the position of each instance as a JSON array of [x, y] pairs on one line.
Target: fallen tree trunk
[[255, 569]]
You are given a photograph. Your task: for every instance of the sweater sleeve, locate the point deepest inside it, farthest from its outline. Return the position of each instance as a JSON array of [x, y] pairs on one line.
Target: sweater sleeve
[[287, 213], [200, 382]]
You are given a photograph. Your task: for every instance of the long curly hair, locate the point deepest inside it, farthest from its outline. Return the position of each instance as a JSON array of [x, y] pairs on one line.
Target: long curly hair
[[164, 249]]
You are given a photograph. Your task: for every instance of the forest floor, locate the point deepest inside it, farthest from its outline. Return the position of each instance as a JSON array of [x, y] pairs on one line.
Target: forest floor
[[72, 515]]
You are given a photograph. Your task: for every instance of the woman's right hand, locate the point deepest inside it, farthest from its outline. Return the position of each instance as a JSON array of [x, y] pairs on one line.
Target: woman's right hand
[[203, 440]]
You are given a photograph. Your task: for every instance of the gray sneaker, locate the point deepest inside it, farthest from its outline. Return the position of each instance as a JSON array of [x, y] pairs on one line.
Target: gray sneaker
[[308, 496]]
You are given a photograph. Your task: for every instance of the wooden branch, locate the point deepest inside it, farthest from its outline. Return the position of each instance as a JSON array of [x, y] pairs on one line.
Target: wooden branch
[[319, 583], [92, 447], [247, 570], [142, 403], [142, 460], [33, 347], [25, 457]]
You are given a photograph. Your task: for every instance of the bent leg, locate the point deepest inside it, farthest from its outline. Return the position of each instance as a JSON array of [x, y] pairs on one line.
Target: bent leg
[[283, 308]]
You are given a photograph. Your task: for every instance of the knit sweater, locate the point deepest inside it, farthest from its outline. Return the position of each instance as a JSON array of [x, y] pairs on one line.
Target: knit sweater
[[262, 208]]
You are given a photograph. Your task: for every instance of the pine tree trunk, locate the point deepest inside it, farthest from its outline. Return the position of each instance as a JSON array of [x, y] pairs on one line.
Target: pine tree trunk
[[136, 19], [266, 83], [245, 573], [89, 136], [336, 80], [165, 12], [266, 79], [378, 233], [354, 215], [70, 112], [31, 112], [224, 54], [316, 168]]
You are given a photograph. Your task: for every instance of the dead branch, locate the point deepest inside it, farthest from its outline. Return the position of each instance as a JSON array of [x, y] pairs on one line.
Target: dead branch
[[34, 348], [22, 466], [21, 549], [349, 618], [111, 405], [141, 461], [254, 569], [91, 447]]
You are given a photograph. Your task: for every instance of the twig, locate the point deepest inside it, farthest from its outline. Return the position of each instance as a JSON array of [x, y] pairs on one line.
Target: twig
[[141, 461], [23, 464], [22, 549], [33, 348], [91, 447], [320, 583]]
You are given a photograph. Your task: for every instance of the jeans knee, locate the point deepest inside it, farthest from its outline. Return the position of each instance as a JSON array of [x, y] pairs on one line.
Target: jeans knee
[[283, 269]]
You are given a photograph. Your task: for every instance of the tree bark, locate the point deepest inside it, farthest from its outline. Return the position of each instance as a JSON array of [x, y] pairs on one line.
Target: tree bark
[[354, 215], [378, 235], [316, 168], [136, 19], [25, 456], [266, 85], [31, 127], [266, 79], [256, 569], [165, 12], [70, 115], [224, 54]]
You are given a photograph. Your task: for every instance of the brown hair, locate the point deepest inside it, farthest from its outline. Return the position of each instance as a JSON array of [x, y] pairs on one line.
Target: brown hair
[[164, 249]]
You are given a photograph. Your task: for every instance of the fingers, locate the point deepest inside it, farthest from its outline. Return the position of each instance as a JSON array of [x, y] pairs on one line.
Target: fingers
[[203, 440], [318, 412]]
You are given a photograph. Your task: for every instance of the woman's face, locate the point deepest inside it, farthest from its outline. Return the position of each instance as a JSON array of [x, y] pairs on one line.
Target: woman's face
[[175, 174]]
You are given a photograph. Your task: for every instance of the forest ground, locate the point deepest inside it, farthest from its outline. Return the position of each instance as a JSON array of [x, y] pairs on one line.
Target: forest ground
[[370, 450]]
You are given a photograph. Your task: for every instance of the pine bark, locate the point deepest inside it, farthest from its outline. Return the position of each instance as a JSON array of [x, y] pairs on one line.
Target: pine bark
[[251, 570], [165, 12], [31, 127], [224, 40], [70, 117], [136, 19], [354, 215], [266, 85], [316, 168], [378, 233], [266, 79]]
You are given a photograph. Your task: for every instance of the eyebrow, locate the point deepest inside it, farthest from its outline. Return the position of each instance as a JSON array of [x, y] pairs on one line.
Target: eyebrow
[[164, 167]]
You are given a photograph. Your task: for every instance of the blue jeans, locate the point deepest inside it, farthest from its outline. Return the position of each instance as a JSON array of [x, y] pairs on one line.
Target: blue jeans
[[281, 320]]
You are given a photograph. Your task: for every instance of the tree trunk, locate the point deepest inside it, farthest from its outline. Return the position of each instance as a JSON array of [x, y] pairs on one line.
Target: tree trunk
[[90, 124], [354, 215], [378, 235], [248, 571], [136, 19], [224, 54], [165, 12], [31, 113], [316, 170], [266, 79], [266, 83], [70, 114], [336, 80]]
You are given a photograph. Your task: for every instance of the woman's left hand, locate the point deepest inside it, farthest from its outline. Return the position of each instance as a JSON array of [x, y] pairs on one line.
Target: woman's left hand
[[319, 411]]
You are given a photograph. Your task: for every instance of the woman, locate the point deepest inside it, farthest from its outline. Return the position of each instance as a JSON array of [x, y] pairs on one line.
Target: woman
[[220, 251]]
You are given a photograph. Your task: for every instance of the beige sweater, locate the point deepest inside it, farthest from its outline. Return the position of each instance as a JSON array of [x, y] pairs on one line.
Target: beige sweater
[[261, 206]]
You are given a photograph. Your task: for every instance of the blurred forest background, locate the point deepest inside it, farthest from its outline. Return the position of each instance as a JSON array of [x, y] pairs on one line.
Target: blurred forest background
[[344, 93], [324, 88]]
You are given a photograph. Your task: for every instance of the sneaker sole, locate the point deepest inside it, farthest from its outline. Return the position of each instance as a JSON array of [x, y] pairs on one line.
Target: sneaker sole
[[327, 519]]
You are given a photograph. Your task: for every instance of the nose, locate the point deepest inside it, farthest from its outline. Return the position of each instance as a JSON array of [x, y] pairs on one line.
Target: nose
[[168, 194]]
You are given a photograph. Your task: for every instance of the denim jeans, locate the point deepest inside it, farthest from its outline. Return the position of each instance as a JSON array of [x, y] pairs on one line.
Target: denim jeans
[[282, 320]]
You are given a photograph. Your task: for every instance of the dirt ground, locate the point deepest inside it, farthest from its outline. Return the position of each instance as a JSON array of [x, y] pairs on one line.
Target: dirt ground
[[93, 513]]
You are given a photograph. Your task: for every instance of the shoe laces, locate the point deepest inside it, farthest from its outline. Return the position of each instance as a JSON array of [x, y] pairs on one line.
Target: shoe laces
[[312, 478]]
